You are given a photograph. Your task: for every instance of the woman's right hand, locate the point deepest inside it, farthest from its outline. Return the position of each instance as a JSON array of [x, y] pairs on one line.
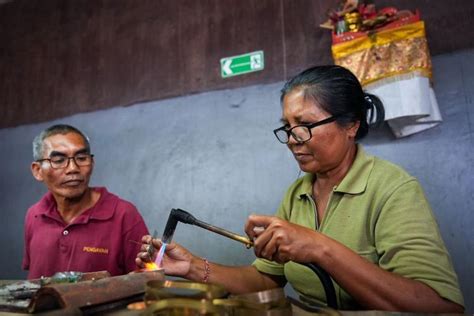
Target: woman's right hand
[[176, 260]]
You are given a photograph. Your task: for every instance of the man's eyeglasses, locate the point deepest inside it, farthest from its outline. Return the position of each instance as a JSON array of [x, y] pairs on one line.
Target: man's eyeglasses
[[60, 162], [301, 133]]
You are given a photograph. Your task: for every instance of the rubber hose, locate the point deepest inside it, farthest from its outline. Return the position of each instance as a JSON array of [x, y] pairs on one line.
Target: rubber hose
[[327, 284]]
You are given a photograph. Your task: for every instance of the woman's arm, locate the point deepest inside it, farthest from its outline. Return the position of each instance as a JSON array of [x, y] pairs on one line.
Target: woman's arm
[[373, 287], [178, 261], [236, 280]]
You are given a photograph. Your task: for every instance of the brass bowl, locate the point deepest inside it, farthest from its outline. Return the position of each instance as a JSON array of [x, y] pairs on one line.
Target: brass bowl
[[183, 306], [271, 302], [157, 290], [263, 297]]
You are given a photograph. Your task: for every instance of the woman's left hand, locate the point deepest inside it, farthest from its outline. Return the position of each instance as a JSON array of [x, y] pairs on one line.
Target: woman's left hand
[[278, 240]]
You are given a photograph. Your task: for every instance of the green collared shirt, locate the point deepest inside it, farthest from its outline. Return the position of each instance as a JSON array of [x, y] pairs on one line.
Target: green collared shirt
[[380, 212]]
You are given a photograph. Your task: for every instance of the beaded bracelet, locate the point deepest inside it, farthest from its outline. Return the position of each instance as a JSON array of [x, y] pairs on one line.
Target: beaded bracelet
[[207, 271]]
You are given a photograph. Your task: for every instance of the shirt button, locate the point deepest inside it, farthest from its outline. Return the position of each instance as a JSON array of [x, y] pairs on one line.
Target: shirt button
[[65, 233]]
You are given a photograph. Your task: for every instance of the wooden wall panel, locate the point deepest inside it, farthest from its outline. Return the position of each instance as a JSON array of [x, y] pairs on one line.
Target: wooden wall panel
[[60, 57], [306, 43]]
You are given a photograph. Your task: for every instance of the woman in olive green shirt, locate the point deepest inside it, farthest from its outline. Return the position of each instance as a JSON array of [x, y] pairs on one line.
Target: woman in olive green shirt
[[363, 220]]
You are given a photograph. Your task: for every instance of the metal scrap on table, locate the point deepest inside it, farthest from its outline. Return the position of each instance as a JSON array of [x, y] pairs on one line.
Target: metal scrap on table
[[18, 295]]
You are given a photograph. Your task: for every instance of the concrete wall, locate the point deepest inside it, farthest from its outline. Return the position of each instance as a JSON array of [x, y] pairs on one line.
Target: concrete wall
[[214, 155]]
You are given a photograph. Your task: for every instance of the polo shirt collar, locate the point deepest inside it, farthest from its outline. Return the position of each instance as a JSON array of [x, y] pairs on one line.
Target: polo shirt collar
[[48, 208], [105, 207], [96, 212], [306, 188], [355, 181]]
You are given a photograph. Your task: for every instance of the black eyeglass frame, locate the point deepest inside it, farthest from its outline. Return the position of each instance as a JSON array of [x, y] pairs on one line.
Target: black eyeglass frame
[[68, 161], [308, 126]]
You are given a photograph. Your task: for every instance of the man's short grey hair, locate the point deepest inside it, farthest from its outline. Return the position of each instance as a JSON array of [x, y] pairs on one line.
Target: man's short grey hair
[[54, 130]]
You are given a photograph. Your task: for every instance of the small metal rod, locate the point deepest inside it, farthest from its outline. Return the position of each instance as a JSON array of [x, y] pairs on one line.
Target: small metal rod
[[248, 243], [150, 249]]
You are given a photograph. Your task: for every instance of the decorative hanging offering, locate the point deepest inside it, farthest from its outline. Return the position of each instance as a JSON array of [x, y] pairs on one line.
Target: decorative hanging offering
[[388, 52]]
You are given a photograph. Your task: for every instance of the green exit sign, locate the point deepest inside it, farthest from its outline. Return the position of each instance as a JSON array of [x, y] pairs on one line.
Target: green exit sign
[[242, 64]]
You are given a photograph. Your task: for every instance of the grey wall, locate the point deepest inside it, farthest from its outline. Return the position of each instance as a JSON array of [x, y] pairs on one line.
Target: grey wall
[[214, 155]]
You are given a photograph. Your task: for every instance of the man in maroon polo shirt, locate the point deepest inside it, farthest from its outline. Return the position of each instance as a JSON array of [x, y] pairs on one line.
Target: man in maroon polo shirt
[[75, 227]]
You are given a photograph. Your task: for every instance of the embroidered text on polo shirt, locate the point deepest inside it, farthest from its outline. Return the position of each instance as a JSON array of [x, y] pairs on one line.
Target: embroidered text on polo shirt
[[95, 250]]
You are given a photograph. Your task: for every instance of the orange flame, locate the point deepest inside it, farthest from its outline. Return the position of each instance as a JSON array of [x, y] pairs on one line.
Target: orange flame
[[151, 266]]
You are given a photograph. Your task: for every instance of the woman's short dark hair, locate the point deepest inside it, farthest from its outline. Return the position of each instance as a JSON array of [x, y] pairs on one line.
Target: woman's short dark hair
[[338, 92]]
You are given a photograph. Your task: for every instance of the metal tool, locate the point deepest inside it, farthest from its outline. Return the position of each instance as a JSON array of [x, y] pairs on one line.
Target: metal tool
[[179, 215], [149, 248]]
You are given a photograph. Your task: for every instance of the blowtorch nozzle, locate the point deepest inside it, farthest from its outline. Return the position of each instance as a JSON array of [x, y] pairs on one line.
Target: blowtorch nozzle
[[179, 215], [176, 215], [183, 216]]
